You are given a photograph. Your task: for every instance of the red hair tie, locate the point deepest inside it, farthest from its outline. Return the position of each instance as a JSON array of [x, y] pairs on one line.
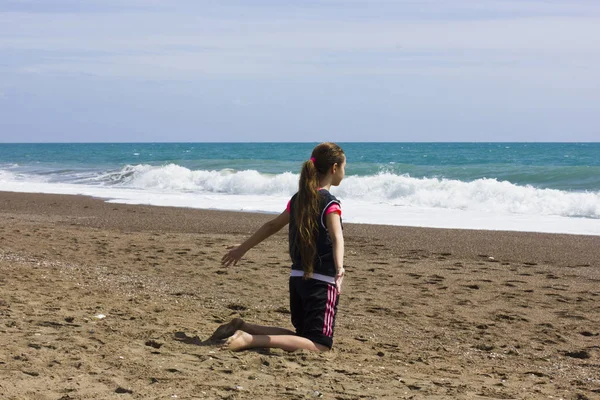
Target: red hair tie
[[313, 159]]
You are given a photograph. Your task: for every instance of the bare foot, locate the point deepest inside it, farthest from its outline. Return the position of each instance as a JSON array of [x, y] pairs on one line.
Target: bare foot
[[226, 330], [239, 341]]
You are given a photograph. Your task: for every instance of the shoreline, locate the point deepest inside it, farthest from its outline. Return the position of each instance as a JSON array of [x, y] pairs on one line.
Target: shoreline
[[357, 211], [99, 300], [558, 248]]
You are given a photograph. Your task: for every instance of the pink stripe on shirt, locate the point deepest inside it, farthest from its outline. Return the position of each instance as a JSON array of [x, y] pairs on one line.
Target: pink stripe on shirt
[[332, 208]]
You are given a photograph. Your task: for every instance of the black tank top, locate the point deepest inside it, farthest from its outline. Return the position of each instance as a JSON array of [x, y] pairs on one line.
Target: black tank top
[[323, 263]]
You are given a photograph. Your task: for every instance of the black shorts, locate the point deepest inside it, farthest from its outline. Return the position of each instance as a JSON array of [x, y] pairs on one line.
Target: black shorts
[[313, 305]]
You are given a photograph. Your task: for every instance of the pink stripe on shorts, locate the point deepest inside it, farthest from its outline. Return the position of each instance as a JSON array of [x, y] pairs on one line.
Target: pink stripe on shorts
[[330, 311]]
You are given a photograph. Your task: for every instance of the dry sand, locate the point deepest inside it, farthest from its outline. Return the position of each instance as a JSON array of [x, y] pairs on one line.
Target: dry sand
[[425, 313]]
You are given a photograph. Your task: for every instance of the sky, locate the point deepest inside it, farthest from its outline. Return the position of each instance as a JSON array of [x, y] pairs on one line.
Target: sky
[[313, 70]]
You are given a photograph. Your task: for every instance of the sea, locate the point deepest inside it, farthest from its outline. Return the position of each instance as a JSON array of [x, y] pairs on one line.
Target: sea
[[533, 187]]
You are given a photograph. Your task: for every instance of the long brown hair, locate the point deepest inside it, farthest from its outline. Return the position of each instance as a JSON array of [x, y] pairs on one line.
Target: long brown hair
[[323, 157]]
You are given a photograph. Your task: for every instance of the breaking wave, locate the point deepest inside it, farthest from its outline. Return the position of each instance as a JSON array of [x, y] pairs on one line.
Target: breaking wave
[[487, 195]]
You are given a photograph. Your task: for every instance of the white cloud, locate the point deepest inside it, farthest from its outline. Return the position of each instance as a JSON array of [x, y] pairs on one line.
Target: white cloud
[[177, 46], [151, 32], [419, 56]]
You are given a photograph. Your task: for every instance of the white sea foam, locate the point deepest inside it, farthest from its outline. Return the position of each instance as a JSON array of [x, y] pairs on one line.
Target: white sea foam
[[176, 178], [6, 176], [482, 195], [381, 199]]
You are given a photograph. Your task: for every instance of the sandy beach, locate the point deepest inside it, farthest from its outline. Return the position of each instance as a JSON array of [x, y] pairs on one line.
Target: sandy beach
[[111, 301]]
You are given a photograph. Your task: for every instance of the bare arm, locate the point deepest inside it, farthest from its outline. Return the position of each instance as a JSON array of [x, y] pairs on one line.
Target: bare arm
[[268, 229], [334, 226]]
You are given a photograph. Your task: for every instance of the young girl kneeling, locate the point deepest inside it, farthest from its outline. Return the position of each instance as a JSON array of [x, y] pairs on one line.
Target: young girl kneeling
[[316, 248]]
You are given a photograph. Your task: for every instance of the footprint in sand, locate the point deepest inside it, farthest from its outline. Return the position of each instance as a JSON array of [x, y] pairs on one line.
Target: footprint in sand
[[182, 337], [237, 307], [581, 354], [432, 279], [567, 315], [588, 334], [154, 344]]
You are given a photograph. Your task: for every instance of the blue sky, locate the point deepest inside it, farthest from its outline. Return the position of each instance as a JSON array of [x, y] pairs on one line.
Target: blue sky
[[372, 70]]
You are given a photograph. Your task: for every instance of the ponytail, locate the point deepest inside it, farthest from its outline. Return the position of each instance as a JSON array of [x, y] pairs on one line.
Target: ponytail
[[307, 207]]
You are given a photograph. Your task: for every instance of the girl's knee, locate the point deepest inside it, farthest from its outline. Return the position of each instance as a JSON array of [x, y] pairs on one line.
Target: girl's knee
[[322, 348]]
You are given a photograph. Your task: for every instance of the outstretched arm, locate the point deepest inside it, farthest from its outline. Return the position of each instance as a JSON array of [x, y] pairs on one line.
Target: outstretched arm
[[268, 229], [334, 226]]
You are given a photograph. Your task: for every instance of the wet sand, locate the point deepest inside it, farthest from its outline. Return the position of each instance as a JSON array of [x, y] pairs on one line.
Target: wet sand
[[425, 313]]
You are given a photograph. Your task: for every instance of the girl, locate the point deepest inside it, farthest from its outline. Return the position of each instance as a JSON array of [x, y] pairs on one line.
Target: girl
[[316, 247]]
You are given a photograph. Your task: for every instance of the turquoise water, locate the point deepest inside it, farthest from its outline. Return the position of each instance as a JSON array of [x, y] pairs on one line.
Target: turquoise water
[[571, 167], [541, 187]]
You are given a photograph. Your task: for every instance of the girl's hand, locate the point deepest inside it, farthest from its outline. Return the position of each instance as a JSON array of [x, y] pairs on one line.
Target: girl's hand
[[233, 256], [339, 277]]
